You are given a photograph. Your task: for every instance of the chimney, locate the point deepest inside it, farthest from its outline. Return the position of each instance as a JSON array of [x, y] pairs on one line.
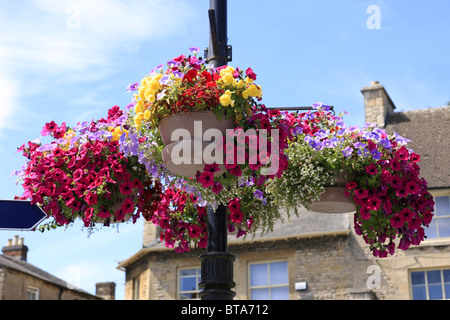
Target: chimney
[[377, 103], [16, 249], [105, 290], [151, 234]]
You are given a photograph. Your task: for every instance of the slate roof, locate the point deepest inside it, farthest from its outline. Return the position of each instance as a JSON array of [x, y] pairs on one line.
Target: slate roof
[[27, 268], [429, 130]]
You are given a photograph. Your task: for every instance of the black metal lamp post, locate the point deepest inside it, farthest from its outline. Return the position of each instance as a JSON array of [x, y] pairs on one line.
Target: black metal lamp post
[[217, 263]]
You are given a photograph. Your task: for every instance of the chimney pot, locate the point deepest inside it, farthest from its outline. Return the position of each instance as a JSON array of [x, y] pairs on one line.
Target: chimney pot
[[106, 290], [377, 104], [16, 249]]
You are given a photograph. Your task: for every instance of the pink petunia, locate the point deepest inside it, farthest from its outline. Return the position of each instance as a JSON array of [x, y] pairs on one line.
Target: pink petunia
[[217, 187], [350, 185], [402, 153], [374, 203], [234, 205], [407, 215], [206, 179], [371, 169], [236, 217], [212, 168], [236, 171], [127, 206], [365, 213], [103, 213], [397, 221], [126, 187]]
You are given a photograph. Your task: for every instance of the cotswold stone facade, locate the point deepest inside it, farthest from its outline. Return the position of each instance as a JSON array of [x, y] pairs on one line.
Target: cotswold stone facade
[[318, 256], [20, 280]]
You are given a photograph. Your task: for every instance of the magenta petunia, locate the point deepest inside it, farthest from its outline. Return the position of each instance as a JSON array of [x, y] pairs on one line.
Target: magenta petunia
[[206, 179]]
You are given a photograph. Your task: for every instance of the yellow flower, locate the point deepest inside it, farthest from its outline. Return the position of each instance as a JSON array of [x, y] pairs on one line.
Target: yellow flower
[[240, 84], [225, 99], [117, 132], [227, 69], [139, 107], [252, 91], [228, 79], [147, 114], [138, 122]]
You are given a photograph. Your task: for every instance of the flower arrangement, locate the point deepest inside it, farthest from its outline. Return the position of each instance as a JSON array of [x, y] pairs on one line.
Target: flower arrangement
[[391, 199], [188, 84], [104, 170], [81, 174]]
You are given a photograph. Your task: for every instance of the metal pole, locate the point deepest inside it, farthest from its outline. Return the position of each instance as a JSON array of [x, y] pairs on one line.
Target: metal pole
[[217, 263]]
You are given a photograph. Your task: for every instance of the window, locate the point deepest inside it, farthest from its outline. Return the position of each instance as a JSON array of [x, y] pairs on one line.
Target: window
[[188, 280], [32, 293], [430, 284], [136, 287], [440, 225], [269, 281]]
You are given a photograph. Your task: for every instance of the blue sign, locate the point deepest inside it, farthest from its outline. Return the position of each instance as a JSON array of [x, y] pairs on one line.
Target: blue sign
[[20, 215]]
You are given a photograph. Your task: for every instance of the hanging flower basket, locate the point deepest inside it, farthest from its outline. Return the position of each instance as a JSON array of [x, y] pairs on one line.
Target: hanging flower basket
[[83, 175], [188, 136], [276, 161], [334, 199], [310, 148]]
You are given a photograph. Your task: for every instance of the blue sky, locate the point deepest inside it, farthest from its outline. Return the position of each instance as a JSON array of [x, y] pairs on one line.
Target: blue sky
[[70, 61]]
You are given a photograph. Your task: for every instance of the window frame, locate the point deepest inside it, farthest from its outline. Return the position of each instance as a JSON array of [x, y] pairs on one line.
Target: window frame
[[268, 286], [436, 218], [198, 279], [34, 291], [424, 271], [136, 287]]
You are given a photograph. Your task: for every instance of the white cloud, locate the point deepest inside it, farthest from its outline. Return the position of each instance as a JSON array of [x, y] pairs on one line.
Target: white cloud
[[46, 42]]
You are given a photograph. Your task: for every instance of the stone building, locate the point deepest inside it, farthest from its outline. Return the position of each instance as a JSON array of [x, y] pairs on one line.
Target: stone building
[[20, 280], [318, 256]]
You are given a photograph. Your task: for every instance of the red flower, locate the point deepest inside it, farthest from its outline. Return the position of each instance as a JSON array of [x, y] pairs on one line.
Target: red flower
[[407, 215], [91, 199], [350, 185], [415, 157], [190, 75], [397, 221], [236, 171], [59, 132], [234, 206], [48, 128], [386, 176], [361, 193], [236, 217], [217, 187], [103, 213], [365, 213], [249, 72], [127, 206], [206, 179], [126, 187], [402, 153], [371, 169], [194, 231], [211, 168], [374, 203]]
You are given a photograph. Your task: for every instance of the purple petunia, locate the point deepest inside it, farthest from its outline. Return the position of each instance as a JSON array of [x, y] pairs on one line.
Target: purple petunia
[[347, 151], [132, 86], [258, 194]]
